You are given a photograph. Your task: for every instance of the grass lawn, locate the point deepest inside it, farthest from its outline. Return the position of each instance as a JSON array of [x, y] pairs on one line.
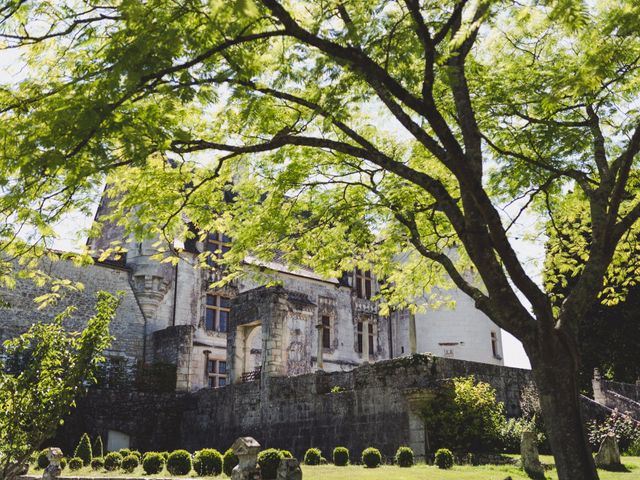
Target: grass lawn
[[419, 472]]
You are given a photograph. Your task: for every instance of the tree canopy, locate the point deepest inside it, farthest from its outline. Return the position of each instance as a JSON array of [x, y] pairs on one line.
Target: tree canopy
[[344, 132]]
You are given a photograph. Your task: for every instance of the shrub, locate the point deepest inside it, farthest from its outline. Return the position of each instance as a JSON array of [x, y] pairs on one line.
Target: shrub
[[464, 416], [98, 448], [444, 458], [124, 452], [179, 462], [63, 463], [269, 460], [208, 461], [75, 463], [112, 461], [129, 463], [371, 457], [286, 454], [83, 450], [97, 463], [229, 461], [42, 461], [623, 427], [341, 456], [312, 456], [165, 455], [152, 463], [323, 461], [137, 454], [634, 449], [404, 457]]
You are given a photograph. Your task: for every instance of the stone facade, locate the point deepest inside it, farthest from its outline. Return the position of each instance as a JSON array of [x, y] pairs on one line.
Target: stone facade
[[375, 404]]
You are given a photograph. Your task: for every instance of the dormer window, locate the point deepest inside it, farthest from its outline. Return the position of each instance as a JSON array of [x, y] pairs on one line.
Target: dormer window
[[363, 283]]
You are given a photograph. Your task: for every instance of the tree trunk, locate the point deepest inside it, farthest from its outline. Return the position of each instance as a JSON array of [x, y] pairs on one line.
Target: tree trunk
[[556, 376]]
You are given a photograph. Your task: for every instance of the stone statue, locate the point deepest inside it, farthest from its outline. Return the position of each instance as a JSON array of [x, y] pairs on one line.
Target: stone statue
[[53, 470], [247, 449], [289, 469]]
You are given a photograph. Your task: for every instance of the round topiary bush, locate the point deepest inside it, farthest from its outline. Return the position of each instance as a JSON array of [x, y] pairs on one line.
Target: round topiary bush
[[75, 463], [229, 461], [137, 454], [312, 456], [341, 456], [63, 463], [208, 461], [97, 463], [129, 463], [371, 457], [165, 455], [112, 461], [83, 450], [286, 454], [43, 461], [179, 462], [444, 458], [152, 463], [269, 460], [124, 452], [404, 457]]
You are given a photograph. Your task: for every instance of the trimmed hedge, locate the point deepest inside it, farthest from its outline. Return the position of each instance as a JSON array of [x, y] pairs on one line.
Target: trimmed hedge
[[341, 456], [286, 454], [112, 461], [98, 448], [312, 456], [179, 462], [97, 463], [269, 460], [444, 458], [75, 463], [83, 450], [63, 463], [371, 457], [207, 461], [404, 457], [229, 461], [152, 463], [130, 463]]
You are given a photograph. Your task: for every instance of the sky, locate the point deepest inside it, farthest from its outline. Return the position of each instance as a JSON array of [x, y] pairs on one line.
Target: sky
[[530, 251]]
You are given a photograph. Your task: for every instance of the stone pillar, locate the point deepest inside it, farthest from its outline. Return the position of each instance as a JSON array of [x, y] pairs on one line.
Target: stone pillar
[[413, 342], [247, 449], [236, 356], [273, 339], [320, 349], [529, 457], [365, 341], [598, 390], [52, 472]]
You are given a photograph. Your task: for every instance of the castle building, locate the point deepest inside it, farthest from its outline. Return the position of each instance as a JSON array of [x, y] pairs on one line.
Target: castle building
[[238, 333]]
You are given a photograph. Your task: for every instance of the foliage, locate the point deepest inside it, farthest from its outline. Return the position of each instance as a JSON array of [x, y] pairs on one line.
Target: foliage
[[269, 460], [98, 448], [371, 457], [129, 463], [337, 389], [63, 463], [75, 463], [229, 461], [112, 461], [83, 450], [404, 457], [622, 426], [136, 453], [152, 463], [124, 452], [312, 456], [286, 454], [207, 461], [56, 367], [465, 416], [42, 460], [165, 455], [634, 449], [179, 462], [341, 456], [97, 463], [443, 458]]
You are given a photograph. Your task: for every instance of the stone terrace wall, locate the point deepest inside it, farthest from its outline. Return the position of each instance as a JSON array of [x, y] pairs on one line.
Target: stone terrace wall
[[374, 407], [127, 327], [628, 390]]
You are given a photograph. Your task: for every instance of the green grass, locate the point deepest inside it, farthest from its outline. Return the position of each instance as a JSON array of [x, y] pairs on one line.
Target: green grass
[[418, 472]]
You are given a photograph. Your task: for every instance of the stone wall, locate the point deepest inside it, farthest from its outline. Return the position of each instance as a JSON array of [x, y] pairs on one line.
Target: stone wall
[[128, 327], [628, 390], [373, 405], [174, 345]]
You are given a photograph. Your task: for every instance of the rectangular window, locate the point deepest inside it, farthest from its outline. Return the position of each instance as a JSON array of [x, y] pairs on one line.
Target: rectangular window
[[216, 317], [359, 337], [218, 244], [216, 372], [370, 338], [371, 350], [326, 331], [494, 344], [363, 283]]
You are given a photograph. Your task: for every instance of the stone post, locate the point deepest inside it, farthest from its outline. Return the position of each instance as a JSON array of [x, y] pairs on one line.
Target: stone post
[[598, 390], [53, 470], [608, 456], [413, 343], [247, 449], [365, 341], [320, 350], [529, 457]]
